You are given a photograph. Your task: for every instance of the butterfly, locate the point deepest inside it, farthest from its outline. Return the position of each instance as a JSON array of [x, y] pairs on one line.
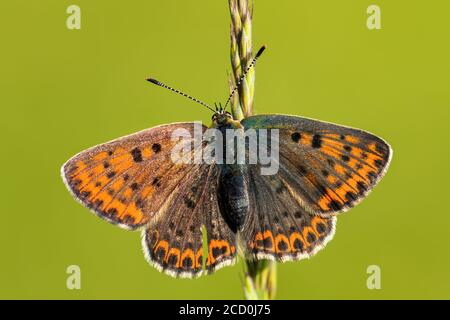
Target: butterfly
[[323, 169]]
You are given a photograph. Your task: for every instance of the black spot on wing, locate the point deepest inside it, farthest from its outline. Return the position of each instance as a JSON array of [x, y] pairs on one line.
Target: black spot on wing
[[189, 203], [128, 219], [334, 205], [298, 245], [160, 254], [112, 212], [85, 194], [172, 260], [136, 154], [134, 186], [296, 136], [282, 245], [216, 252], [156, 147], [187, 263], [267, 242], [350, 196], [111, 174], [156, 182], [311, 237], [321, 228], [98, 202], [378, 163], [316, 141], [362, 188], [140, 203]]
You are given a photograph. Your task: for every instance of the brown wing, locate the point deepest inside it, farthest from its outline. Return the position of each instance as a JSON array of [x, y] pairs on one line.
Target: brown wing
[[173, 242], [126, 180], [278, 227], [326, 167], [134, 182]]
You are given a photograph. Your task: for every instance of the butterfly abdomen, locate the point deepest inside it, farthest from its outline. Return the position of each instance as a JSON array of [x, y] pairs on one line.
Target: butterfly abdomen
[[233, 195], [232, 192]]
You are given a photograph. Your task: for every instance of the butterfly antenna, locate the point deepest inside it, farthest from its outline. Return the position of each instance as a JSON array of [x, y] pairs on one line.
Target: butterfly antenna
[[252, 63], [179, 92]]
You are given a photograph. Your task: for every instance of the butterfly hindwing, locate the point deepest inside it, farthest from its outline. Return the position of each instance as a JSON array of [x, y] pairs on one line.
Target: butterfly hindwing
[[173, 242], [278, 227], [328, 168]]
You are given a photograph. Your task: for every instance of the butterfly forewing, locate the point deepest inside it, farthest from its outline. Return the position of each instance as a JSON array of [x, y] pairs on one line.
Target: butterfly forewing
[[328, 168], [124, 181]]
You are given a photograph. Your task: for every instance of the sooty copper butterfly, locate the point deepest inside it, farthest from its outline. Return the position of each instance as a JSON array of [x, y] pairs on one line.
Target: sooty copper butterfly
[[323, 169]]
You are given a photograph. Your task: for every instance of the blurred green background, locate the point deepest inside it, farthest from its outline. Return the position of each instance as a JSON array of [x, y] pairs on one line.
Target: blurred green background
[[65, 90]]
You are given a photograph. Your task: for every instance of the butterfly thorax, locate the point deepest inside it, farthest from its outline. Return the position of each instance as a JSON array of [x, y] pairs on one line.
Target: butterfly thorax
[[232, 192]]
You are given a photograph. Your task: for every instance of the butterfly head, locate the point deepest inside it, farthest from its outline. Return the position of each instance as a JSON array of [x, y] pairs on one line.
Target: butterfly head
[[221, 116]]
